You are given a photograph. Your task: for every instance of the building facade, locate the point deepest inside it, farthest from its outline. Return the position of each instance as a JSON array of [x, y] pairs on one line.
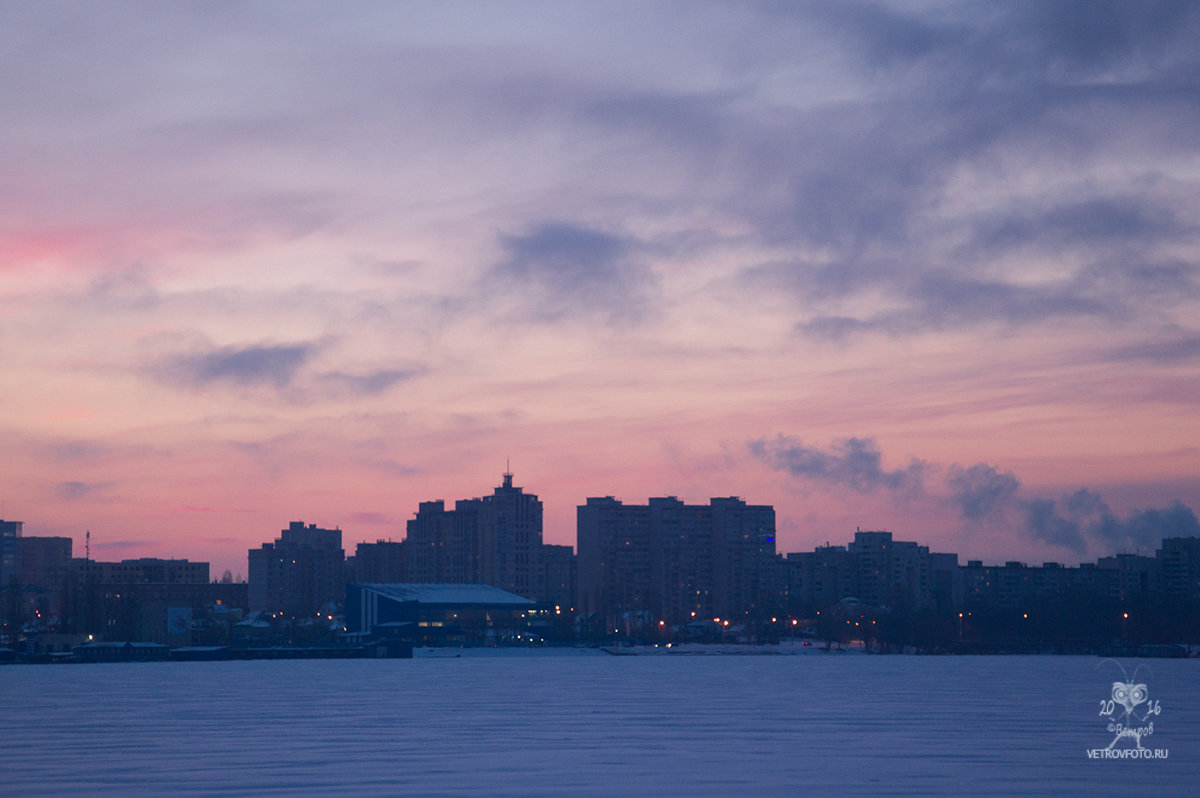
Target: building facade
[[381, 561], [1179, 565], [494, 540], [10, 532], [876, 570], [44, 562], [674, 561], [300, 574]]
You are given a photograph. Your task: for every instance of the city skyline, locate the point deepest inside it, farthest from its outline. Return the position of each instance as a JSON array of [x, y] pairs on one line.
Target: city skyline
[[931, 269], [221, 571]]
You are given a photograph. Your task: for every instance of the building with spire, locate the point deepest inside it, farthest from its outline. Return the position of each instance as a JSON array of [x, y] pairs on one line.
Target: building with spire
[[494, 540]]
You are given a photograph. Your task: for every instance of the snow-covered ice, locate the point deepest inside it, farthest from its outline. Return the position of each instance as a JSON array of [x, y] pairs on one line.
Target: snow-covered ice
[[582, 723]]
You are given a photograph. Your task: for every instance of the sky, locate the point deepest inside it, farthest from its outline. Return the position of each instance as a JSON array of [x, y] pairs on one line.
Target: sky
[[924, 267]]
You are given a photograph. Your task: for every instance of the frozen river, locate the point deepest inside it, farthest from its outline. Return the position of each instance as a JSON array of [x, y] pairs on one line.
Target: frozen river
[[584, 723]]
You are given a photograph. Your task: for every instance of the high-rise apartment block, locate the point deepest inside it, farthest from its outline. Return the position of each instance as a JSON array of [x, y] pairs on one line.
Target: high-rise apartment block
[[676, 561], [875, 570], [1179, 563], [494, 540], [900, 573], [383, 561], [44, 562], [300, 574], [10, 532], [145, 570]]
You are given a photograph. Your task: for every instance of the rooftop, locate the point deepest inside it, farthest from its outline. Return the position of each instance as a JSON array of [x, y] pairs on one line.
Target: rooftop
[[433, 593]]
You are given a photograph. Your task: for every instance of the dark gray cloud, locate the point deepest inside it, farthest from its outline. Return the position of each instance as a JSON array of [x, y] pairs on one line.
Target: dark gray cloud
[[285, 370], [1173, 347], [393, 468], [834, 328], [945, 298], [982, 491], [1091, 35], [1081, 522], [559, 271], [79, 449], [917, 99], [104, 545], [1096, 223], [74, 490], [130, 290], [1144, 529], [1071, 522], [274, 365], [1044, 523], [942, 299], [371, 518], [1075, 95], [371, 383], [855, 463], [948, 299]]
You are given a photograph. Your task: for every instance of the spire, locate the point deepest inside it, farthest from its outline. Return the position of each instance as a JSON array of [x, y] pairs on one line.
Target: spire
[[508, 472]]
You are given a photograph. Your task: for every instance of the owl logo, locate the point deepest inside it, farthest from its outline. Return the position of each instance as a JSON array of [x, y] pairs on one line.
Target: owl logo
[[1129, 695], [1127, 718]]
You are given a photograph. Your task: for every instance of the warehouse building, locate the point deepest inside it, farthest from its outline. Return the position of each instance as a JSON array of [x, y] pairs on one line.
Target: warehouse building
[[441, 614]]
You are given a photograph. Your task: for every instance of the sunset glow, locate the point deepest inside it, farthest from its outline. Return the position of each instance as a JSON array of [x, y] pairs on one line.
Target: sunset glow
[[933, 271]]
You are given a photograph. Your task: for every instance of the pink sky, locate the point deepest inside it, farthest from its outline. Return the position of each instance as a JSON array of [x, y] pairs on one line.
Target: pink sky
[[925, 269]]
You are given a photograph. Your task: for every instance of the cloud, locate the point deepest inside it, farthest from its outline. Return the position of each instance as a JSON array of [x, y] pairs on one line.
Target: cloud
[[948, 299], [557, 271], [370, 518], [1080, 522], [982, 491], [282, 367], [855, 463], [1044, 523], [834, 328], [1083, 522], [74, 450], [1173, 348], [274, 365], [369, 384], [941, 299], [1094, 223], [988, 144], [70, 491], [392, 468], [1143, 529], [1094, 35], [120, 544]]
